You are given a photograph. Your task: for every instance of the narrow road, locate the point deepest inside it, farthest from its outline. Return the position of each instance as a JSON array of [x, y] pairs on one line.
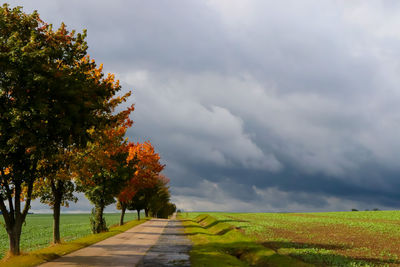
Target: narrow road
[[172, 249], [129, 248]]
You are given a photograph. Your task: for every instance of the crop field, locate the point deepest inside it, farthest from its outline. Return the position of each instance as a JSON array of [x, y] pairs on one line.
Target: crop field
[[38, 230], [363, 238]]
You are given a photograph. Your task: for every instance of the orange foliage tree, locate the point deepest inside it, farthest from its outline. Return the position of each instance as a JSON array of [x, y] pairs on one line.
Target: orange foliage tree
[[147, 168]]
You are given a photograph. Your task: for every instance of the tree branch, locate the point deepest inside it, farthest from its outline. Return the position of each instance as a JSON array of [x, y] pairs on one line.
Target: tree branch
[[28, 199], [5, 212]]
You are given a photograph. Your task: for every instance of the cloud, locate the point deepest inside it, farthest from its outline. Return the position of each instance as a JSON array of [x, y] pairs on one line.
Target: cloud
[[269, 199], [198, 131]]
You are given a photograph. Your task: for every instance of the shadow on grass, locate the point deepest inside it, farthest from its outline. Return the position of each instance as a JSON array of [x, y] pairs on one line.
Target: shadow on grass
[[220, 221], [249, 252], [331, 258], [340, 260], [275, 245]]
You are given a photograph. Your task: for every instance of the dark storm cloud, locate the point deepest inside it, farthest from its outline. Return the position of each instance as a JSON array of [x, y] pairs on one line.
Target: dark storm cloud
[[257, 105]]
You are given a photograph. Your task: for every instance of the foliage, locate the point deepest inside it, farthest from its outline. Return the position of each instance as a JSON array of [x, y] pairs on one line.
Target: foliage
[[158, 197], [145, 182], [103, 169], [51, 94], [147, 168], [97, 224], [154, 199], [56, 188], [166, 210]]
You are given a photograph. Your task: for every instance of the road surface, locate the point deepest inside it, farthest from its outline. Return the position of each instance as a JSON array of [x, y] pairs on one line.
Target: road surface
[[130, 248]]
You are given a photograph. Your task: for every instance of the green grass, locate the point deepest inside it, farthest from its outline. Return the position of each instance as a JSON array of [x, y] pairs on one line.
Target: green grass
[[217, 243], [368, 238], [37, 257], [37, 232]]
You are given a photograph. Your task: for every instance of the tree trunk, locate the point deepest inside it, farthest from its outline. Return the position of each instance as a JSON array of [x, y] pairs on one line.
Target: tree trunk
[[146, 212], [56, 222], [57, 188], [14, 236], [123, 209], [13, 217], [138, 215], [99, 220]]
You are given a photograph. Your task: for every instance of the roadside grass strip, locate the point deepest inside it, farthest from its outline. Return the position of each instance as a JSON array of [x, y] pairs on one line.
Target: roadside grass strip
[[218, 243], [52, 252]]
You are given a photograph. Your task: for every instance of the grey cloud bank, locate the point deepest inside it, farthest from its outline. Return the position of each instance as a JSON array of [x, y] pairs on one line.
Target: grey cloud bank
[[257, 105]]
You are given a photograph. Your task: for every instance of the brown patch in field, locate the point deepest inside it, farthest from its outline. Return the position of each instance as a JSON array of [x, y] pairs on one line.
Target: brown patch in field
[[375, 221], [395, 222], [307, 215], [352, 242]]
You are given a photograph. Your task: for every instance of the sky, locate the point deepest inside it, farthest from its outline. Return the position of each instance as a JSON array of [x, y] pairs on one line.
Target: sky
[[255, 105]]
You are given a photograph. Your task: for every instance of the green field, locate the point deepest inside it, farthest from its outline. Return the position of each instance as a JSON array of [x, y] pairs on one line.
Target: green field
[[368, 238], [38, 230]]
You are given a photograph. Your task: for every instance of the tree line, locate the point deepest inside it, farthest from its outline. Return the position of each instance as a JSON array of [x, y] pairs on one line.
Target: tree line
[[63, 130]]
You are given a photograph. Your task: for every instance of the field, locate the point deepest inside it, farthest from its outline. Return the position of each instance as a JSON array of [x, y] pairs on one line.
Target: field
[[38, 230], [368, 238]]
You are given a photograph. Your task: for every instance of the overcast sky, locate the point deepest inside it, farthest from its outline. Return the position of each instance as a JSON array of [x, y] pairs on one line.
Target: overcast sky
[[256, 105]]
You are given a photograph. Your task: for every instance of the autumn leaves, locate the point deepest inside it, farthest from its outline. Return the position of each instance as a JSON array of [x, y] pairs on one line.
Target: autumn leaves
[[60, 131]]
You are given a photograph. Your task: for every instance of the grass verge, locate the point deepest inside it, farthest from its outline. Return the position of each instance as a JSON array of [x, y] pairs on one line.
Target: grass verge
[[217, 243], [52, 252]]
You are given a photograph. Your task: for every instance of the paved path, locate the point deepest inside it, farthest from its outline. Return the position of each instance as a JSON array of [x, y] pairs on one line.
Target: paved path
[[171, 249], [162, 240]]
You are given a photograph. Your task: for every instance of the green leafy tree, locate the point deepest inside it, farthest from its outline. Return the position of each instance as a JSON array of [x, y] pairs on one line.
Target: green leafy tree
[[166, 210], [51, 94], [138, 202], [158, 196]]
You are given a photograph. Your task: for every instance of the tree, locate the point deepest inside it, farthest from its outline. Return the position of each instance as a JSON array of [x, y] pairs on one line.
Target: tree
[[166, 210], [57, 188], [51, 94], [158, 196], [137, 203], [104, 168], [147, 168]]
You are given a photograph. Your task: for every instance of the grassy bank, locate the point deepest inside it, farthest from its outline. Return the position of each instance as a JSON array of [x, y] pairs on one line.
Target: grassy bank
[[38, 231], [367, 238], [219, 243], [36, 257]]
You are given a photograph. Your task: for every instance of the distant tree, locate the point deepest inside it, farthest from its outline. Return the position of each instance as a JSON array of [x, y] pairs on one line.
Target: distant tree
[[354, 209], [147, 168], [158, 196], [137, 202], [50, 96], [166, 210]]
